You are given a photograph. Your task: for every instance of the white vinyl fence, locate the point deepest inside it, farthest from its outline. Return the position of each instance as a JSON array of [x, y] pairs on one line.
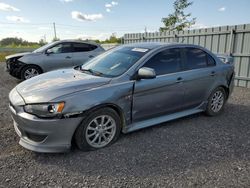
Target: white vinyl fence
[[231, 40]]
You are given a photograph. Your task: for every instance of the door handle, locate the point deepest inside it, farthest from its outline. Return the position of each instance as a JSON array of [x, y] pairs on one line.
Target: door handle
[[212, 73], [67, 57], [91, 56], [179, 80]]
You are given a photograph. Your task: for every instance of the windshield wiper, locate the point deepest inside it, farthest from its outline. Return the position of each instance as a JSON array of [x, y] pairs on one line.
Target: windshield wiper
[[87, 70], [91, 71]]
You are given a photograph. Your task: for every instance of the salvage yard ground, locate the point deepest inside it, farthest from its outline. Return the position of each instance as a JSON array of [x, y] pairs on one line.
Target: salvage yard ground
[[190, 152]]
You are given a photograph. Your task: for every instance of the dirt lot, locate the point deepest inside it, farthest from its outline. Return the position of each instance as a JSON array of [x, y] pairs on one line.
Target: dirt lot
[[191, 152]]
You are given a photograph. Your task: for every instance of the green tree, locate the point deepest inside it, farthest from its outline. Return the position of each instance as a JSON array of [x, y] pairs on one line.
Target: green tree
[[42, 42], [178, 20], [14, 41], [113, 39]]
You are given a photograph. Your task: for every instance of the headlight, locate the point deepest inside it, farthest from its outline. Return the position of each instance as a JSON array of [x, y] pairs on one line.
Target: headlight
[[45, 110]]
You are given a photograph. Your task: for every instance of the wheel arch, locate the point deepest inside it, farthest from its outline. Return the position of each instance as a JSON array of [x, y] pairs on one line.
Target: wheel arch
[[226, 90], [115, 107]]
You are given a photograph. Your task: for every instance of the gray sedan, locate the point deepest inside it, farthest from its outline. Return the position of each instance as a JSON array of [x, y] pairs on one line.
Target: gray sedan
[[56, 55], [122, 90]]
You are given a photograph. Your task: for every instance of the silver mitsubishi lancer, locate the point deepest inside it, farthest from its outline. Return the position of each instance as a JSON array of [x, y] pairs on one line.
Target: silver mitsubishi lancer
[[122, 90]]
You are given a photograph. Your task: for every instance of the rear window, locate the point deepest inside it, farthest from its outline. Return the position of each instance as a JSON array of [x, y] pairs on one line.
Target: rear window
[[82, 47], [197, 58]]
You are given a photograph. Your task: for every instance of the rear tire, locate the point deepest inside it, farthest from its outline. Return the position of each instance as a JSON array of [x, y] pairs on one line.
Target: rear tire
[[30, 71], [216, 102], [99, 129]]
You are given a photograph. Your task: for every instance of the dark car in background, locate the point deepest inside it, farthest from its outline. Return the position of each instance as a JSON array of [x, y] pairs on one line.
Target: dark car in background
[[56, 55], [122, 90]]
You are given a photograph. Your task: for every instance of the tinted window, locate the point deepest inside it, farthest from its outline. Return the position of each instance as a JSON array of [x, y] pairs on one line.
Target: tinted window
[[167, 61], [196, 58], [210, 61], [62, 48], [81, 47]]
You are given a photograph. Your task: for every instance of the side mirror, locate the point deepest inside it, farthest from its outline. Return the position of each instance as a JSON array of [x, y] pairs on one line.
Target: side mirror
[[146, 73], [49, 51]]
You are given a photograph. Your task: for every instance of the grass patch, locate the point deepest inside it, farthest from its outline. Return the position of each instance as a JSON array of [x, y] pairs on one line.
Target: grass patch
[[8, 50], [3, 54]]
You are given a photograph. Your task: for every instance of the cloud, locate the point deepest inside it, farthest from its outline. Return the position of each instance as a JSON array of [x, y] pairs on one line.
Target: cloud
[[6, 7], [85, 17], [114, 3], [17, 19], [66, 1], [108, 5], [222, 9]]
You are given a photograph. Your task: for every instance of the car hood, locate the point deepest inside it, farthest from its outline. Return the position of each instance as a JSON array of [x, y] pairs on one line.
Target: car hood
[[17, 55], [48, 86]]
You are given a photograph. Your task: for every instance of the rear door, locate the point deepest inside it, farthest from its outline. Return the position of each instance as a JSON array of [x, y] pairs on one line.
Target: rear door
[[163, 94], [60, 56], [84, 52], [200, 76]]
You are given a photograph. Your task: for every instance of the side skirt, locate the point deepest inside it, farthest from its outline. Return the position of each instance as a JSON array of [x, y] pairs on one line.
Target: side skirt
[[154, 121]]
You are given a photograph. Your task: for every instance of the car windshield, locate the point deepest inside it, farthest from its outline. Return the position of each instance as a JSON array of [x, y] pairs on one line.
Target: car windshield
[[114, 62], [41, 49]]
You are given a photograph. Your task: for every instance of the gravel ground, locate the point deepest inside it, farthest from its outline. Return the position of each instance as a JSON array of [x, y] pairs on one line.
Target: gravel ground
[[196, 151]]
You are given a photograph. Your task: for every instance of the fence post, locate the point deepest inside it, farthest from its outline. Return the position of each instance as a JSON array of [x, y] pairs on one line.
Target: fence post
[[231, 42]]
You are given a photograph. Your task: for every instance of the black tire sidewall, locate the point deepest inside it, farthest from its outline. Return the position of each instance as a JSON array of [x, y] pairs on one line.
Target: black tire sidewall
[[209, 111], [80, 138]]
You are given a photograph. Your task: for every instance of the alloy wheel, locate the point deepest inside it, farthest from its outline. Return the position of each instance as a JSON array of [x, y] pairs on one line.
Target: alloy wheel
[[217, 101], [30, 72], [100, 131]]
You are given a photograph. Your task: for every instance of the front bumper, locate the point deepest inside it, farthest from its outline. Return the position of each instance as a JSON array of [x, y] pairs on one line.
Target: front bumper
[[14, 67], [43, 135]]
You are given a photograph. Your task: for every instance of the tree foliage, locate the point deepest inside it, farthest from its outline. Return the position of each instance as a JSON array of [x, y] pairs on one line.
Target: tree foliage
[[112, 39], [178, 20], [14, 41]]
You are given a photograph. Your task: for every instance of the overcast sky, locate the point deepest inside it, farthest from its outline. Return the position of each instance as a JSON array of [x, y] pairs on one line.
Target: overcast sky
[[98, 19]]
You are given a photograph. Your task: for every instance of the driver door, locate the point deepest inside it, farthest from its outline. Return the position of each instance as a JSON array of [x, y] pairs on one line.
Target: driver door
[[58, 56], [164, 94]]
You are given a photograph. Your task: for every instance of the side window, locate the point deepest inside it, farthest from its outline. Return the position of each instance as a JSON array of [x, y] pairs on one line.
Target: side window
[[82, 47], [196, 58], [210, 61], [165, 62], [61, 48]]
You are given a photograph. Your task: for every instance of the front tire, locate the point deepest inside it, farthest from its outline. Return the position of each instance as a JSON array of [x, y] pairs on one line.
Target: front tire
[[216, 102], [99, 129], [30, 71]]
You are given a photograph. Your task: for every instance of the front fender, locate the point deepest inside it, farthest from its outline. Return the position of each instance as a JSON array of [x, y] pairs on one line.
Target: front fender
[[119, 95]]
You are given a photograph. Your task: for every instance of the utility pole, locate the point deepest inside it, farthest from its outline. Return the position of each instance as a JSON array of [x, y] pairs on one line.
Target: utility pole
[[54, 30]]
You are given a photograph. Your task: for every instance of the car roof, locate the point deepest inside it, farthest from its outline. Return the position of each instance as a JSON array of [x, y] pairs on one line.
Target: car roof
[[154, 45], [78, 41]]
